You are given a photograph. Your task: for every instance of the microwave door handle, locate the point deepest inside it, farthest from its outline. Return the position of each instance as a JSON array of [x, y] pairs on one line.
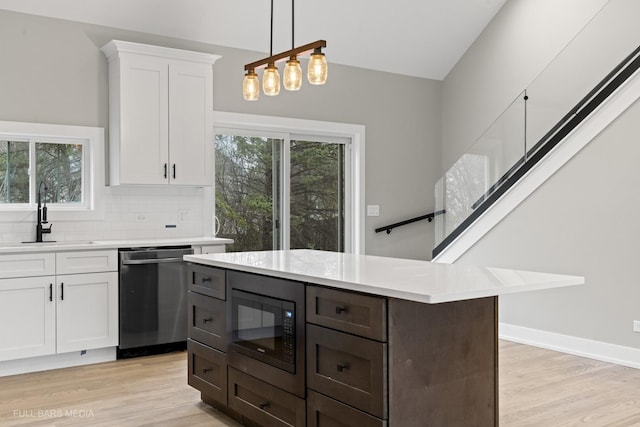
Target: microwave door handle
[[149, 261]]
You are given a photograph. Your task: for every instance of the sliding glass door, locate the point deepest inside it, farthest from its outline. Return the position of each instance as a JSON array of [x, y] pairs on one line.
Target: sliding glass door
[[281, 191]]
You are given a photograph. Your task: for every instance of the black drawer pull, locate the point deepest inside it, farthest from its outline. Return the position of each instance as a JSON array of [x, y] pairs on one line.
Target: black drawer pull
[[205, 279], [263, 405], [340, 310], [207, 319], [341, 367], [205, 370]]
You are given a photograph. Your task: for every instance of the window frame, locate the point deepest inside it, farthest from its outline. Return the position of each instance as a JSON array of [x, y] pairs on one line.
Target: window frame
[[291, 128], [93, 173]]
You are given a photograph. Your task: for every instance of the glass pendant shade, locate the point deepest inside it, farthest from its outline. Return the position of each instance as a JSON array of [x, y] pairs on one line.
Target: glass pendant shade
[[318, 70], [292, 74], [251, 86], [271, 80]]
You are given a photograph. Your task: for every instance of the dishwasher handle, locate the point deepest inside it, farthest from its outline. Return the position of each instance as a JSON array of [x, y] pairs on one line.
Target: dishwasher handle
[[149, 261]]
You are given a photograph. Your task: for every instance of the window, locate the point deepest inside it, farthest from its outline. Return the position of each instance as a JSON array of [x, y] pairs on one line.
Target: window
[[58, 165], [68, 160], [281, 187]]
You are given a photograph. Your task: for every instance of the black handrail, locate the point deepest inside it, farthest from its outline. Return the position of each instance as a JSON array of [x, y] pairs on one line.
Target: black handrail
[[428, 216], [620, 74]]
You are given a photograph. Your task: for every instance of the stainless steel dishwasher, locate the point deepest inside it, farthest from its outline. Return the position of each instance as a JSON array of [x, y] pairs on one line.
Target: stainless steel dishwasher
[[153, 300]]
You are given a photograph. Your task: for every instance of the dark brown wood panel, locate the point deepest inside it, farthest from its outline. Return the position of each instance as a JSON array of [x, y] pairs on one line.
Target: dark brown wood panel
[[323, 411], [207, 371], [207, 320], [443, 363], [348, 368], [263, 403], [348, 311], [205, 280]]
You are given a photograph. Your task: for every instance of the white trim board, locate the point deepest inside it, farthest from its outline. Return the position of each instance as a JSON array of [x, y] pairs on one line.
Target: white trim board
[[57, 361], [602, 117], [598, 350]]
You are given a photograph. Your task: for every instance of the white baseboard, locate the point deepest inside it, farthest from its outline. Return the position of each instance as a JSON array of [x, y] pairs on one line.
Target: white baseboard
[[57, 361], [612, 353]]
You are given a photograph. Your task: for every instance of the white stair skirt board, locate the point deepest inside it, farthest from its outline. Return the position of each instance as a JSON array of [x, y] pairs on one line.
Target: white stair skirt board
[[604, 115], [611, 353]]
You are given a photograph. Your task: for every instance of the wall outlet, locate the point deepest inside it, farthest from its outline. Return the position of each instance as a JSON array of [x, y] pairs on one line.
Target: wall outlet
[[183, 215], [140, 217], [636, 326], [373, 210]]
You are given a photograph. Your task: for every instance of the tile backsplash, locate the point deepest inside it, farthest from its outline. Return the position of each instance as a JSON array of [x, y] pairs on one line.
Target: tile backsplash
[[130, 213]]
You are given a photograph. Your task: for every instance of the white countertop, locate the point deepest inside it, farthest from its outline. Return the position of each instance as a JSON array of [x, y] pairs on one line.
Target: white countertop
[[75, 245], [413, 280]]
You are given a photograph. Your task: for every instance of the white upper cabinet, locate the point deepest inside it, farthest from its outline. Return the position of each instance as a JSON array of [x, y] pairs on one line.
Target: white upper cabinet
[[160, 115]]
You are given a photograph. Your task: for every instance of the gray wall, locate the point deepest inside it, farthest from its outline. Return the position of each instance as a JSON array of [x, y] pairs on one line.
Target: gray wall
[[53, 72], [516, 46], [584, 219]]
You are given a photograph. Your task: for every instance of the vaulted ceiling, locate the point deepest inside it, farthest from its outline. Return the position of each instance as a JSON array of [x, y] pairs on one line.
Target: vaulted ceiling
[[422, 38]]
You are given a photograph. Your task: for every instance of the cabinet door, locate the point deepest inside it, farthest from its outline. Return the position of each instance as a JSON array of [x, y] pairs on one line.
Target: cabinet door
[[348, 368], [191, 123], [144, 135], [208, 371], [263, 403], [87, 311], [27, 317]]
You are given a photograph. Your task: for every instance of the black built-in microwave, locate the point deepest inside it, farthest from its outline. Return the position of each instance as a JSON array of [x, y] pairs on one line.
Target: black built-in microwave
[[266, 326]]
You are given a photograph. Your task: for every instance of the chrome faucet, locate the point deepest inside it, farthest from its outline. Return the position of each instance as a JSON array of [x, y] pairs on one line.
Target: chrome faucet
[[42, 213]]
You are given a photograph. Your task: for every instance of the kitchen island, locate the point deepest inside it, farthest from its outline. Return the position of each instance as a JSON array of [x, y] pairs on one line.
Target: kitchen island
[[385, 342]]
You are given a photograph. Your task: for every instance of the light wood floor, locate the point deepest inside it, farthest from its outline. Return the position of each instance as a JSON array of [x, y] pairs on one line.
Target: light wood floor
[[537, 388]]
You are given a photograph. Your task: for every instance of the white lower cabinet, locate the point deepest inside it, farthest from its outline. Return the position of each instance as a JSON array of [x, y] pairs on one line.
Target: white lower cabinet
[[27, 317], [87, 311], [45, 315]]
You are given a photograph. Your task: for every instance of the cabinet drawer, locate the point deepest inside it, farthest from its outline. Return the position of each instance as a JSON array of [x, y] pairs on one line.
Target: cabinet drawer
[[208, 371], [323, 411], [207, 320], [27, 265], [86, 262], [348, 368], [348, 311], [207, 281], [263, 403]]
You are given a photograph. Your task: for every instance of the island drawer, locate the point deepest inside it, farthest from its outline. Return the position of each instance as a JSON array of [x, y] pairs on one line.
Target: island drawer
[[207, 371], [263, 403], [350, 312], [207, 320], [348, 368], [209, 281], [323, 411]]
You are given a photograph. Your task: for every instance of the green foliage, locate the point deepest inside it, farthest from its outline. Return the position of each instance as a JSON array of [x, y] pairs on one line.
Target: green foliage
[[245, 192], [14, 172], [59, 165]]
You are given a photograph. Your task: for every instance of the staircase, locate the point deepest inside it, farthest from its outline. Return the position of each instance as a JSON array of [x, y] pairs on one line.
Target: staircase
[[504, 167]]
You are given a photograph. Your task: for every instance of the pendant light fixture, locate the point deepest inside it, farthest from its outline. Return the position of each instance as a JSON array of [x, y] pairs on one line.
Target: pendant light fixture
[[318, 70], [292, 73]]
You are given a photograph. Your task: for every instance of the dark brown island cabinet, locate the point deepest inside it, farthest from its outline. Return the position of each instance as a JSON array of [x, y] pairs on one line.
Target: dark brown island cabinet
[[369, 360]]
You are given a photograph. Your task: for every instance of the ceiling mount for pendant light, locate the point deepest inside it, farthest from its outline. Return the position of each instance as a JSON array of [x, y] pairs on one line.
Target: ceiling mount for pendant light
[[292, 73]]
